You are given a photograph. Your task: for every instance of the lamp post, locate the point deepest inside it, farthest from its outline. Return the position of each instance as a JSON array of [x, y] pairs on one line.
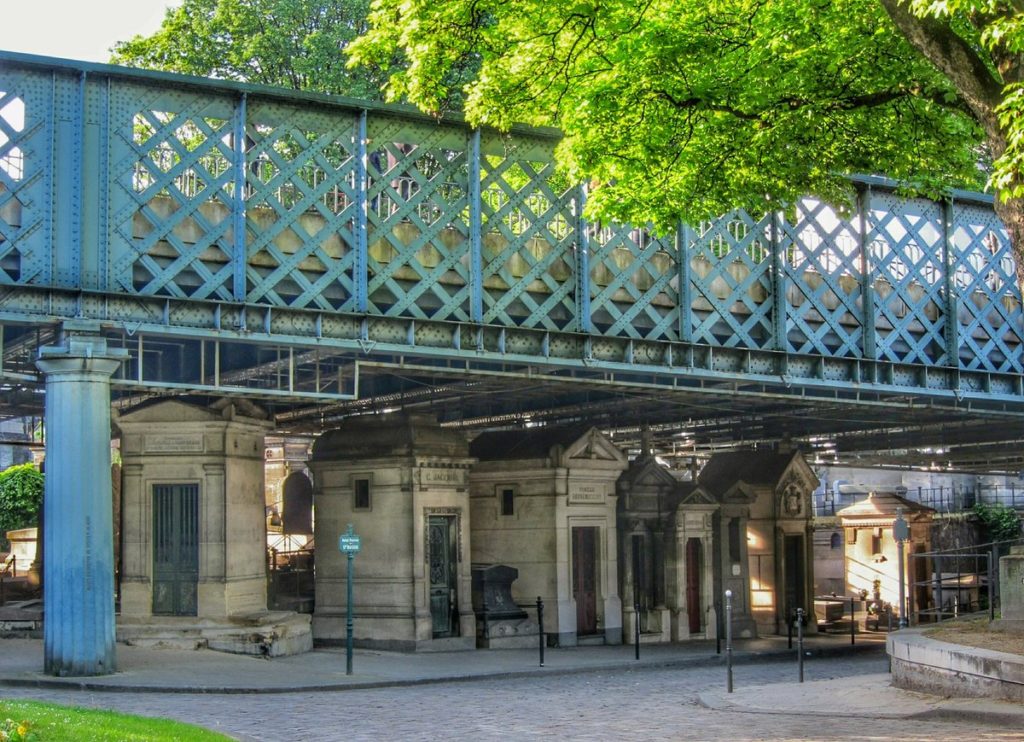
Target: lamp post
[[349, 544], [900, 533]]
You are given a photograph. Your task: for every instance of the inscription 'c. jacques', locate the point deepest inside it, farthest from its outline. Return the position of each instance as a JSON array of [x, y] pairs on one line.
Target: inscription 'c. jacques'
[[442, 476]]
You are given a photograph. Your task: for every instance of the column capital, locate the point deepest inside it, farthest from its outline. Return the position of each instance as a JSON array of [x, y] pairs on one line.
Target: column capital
[[80, 352]]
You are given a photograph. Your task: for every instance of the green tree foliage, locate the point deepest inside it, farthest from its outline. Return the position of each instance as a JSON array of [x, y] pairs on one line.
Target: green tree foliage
[[21, 496], [1001, 523], [687, 108], [289, 43]]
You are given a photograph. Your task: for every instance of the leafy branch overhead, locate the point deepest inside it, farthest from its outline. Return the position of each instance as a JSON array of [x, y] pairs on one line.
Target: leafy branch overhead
[[685, 108]]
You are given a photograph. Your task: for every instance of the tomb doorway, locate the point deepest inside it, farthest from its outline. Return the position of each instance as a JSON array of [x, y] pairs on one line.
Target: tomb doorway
[[442, 560], [584, 578], [175, 549], [694, 569], [794, 575]]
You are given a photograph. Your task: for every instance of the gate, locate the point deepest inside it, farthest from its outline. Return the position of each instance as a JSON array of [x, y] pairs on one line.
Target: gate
[[175, 549]]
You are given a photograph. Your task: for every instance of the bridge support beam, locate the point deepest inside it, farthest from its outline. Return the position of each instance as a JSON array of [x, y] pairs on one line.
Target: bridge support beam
[[78, 538]]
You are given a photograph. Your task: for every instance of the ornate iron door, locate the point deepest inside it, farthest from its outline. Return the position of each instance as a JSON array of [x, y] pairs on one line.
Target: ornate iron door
[[442, 561], [794, 575], [175, 549], [693, 572], [584, 578]]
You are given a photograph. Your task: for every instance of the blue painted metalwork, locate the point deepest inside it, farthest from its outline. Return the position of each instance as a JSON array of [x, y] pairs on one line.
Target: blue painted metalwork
[[230, 211], [362, 215], [475, 231], [239, 257], [78, 567]]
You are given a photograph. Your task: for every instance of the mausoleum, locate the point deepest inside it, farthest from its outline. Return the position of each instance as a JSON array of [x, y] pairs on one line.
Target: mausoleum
[[402, 482], [544, 502]]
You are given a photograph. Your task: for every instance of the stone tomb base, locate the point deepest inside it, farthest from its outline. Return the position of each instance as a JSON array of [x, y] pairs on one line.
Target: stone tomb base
[[507, 633], [265, 634]]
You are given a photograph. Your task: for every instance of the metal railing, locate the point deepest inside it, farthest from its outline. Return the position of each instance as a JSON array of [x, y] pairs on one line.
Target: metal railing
[[955, 582], [290, 580]]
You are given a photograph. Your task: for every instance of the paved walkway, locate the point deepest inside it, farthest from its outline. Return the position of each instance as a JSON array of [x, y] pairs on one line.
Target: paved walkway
[[834, 689], [204, 671]]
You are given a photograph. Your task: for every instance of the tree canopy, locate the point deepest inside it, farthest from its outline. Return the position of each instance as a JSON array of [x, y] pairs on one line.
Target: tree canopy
[[289, 43], [687, 108]]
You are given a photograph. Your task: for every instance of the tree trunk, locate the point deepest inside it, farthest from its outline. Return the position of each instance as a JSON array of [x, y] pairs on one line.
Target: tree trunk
[[1011, 212]]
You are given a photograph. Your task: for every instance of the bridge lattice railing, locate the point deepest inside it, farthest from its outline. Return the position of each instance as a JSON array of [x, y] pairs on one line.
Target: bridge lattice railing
[[124, 183]]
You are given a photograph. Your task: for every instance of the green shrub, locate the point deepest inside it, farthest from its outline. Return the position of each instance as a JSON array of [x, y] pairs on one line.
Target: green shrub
[[1001, 522], [21, 496]]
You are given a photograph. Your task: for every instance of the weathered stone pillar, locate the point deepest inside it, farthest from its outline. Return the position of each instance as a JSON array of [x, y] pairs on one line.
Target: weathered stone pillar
[[78, 576]]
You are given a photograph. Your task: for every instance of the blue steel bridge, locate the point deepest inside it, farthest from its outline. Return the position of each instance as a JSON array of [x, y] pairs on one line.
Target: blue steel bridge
[[327, 257]]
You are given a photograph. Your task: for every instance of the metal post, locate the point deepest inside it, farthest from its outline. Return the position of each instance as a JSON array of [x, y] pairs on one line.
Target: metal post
[[728, 641], [853, 622], [900, 530], [990, 570], [540, 628], [348, 615], [800, 640], [718, 629], [636, 630]]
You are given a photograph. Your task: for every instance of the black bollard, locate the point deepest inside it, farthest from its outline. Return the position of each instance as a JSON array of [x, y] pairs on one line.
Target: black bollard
[[853, 623], [728, 641], [540, 628], [636, 630], [718, 629], [800, 640]]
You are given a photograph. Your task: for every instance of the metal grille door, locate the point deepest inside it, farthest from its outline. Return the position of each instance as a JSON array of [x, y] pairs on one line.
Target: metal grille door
[[175, 549]]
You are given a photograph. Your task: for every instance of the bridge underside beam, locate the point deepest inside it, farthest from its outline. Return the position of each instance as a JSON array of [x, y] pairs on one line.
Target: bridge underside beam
[[481, 349], [311, 383]]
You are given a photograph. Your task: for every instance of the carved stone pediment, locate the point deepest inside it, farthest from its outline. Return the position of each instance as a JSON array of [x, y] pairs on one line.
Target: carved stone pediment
[[646, 474], [592, 446], [740, 493], [698, 496]]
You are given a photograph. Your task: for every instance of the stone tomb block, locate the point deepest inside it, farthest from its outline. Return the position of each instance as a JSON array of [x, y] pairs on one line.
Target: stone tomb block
[[194, 534], [402, 482]]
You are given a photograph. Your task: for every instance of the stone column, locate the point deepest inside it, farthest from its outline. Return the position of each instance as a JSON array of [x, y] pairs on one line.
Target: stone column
[[78, 576]]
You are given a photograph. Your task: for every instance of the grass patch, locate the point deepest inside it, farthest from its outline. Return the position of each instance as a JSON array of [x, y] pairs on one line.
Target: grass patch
[[35, 721], [975, 632]]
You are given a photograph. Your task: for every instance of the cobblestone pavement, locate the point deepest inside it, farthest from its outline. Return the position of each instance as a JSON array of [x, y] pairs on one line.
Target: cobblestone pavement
[[644, 703]]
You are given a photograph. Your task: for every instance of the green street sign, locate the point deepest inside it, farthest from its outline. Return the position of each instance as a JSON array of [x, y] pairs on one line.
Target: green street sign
[[349, 543]]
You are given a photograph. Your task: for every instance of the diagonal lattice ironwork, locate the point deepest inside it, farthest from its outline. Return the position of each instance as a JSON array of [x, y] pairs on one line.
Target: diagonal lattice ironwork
[[180, 181], [418, 221], [905, 253], [300, 208], [23, 178], [732, 284], [529, 259], [984, 279], [822, 266], [633, 283]]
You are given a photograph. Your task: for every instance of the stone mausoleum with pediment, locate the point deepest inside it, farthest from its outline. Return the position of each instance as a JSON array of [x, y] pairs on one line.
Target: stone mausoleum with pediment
[[402, 481], [543, 501]]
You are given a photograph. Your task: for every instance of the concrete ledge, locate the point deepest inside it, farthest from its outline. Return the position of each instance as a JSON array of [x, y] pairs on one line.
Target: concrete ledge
[[953, 670]]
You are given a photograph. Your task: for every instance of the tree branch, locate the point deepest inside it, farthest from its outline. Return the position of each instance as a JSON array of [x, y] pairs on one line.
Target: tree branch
[[973, 79]]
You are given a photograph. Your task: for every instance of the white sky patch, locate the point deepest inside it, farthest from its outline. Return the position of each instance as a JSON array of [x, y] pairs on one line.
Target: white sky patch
[[77, 29]]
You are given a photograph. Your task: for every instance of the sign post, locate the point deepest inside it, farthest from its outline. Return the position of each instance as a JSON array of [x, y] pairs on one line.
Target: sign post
[[900, 533], [349, 544]]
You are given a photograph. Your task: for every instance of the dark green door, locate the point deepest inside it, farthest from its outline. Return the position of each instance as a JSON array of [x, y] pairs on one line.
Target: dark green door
[[442, 560], [175, 549], [794, 575]]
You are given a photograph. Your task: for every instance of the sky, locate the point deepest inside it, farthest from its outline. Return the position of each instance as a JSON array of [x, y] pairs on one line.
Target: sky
[[77, 29]]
